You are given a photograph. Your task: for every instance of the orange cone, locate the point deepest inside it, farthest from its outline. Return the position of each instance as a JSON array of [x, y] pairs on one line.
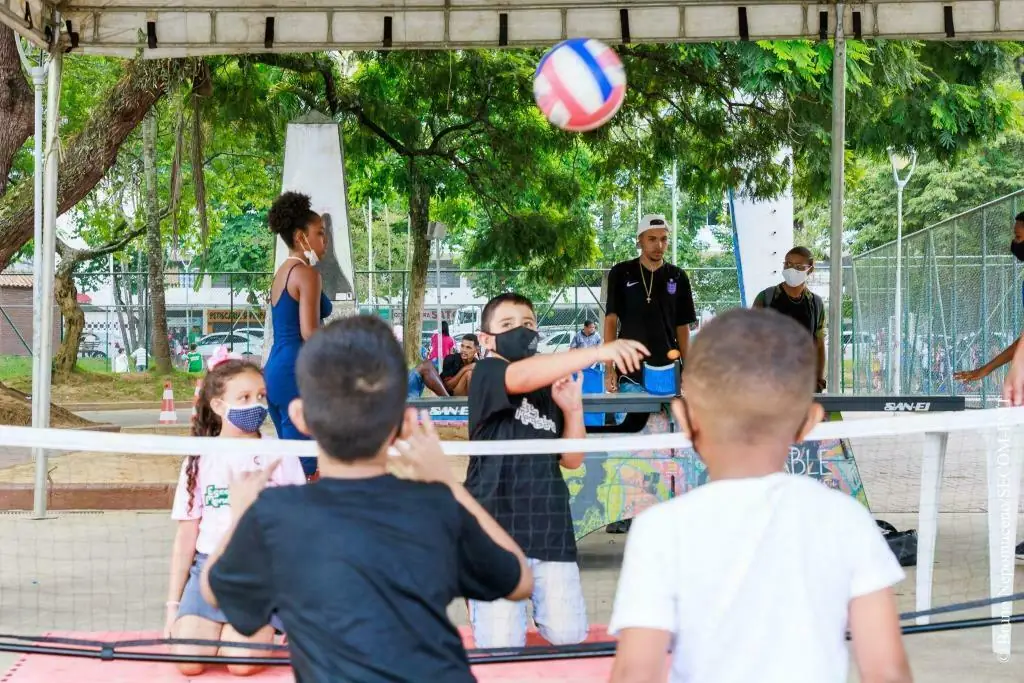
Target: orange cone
[[168, 415], [195, 397]]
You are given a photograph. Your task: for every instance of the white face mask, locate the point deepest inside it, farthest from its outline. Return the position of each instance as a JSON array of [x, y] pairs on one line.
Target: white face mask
[[794, 277], [310, 254]]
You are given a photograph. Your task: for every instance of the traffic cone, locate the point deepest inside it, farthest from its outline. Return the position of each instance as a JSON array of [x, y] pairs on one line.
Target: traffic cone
[[168, 415], [195, 397]]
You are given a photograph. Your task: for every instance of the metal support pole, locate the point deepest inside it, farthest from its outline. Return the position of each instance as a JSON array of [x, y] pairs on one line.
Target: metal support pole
[[984, 301], [835, 319], [897, 362], [675, 218], [45, 268], [369, 243], [38, 74], [440, 339]]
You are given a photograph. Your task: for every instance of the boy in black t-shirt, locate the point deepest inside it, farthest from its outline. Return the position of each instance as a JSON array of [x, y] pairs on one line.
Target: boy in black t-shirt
[[361, 566], [516, 394]]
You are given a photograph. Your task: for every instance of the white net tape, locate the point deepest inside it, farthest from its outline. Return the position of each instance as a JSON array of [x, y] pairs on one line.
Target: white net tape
[[100, 442]]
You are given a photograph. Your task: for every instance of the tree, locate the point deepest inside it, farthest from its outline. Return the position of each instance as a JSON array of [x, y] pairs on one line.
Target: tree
[[935, 192], [87, 153], [66, 293], [244, 245], [16, 105]]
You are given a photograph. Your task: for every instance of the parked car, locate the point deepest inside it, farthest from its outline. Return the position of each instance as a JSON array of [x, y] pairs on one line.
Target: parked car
[[243, 344], [254, 332], [555, 342]]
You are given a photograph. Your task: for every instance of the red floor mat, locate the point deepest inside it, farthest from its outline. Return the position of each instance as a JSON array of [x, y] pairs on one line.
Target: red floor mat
[[49, 669]]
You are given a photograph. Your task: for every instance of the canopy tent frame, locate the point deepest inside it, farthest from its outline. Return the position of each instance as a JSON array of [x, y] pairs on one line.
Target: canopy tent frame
[[189, 28], [177, 28]]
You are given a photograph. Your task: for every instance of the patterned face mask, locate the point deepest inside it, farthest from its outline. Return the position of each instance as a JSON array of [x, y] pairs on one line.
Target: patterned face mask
[[247, 418]]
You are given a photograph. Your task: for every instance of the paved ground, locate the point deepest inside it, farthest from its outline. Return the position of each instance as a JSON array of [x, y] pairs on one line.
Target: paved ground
[[135, 418]]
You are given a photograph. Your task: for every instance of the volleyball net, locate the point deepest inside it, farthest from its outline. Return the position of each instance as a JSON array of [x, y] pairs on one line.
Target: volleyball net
[[92, 581]]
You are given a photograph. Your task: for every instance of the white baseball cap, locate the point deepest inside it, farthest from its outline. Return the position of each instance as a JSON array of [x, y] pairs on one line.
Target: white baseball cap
[[652, 221]]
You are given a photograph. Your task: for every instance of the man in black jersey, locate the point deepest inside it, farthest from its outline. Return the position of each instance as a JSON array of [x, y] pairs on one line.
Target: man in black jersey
[[649, 301]]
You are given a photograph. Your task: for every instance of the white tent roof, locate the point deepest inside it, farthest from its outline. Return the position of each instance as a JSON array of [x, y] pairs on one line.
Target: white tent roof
[[175, 28]]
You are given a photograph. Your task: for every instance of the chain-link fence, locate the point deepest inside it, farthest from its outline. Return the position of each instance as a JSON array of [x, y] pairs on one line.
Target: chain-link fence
[[961, 293], [561, 311], [208, 310], [214, 309]]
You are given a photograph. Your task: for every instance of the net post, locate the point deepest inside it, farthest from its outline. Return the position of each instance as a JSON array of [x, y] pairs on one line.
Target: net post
[[42, 376], [835, 303], [1003, 469], [932, 465]]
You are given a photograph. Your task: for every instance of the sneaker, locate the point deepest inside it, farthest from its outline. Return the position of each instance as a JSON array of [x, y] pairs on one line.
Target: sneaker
[[1020, 552], [619, 527]]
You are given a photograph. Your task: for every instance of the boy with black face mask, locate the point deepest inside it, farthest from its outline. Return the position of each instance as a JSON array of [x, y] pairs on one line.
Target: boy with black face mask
[[1004, 357], [516, 394]]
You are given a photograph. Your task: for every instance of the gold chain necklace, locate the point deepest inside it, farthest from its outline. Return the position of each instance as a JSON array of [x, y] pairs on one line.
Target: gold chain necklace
[[647, 289]]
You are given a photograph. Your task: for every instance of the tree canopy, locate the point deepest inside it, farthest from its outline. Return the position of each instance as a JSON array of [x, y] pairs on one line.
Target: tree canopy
[[455, 136]]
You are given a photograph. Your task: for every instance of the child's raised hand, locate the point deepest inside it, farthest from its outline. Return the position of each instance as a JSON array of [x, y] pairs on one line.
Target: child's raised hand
[[568, 393], [419, 450], [245, 488], [625, 353]]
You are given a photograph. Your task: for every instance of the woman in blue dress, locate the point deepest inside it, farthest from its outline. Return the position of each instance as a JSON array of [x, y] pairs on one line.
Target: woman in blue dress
[[297, 303]]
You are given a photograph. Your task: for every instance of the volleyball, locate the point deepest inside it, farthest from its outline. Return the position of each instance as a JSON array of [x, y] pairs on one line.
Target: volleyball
[[579, 84]]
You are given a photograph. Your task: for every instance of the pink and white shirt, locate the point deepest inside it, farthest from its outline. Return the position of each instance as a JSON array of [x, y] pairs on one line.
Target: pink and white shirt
[[210, 502]]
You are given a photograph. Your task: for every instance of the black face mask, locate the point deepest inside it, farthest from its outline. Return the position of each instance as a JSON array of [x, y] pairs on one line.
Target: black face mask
[[516, 344], [1017, 249]]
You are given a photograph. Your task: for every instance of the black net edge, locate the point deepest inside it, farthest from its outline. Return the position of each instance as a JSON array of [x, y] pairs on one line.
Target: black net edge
[[127, 650]]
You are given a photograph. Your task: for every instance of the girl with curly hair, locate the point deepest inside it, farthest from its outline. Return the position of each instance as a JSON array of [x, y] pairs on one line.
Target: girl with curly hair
[[231, 405]]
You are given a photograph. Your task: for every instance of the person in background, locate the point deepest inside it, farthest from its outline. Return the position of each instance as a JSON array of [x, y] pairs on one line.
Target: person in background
[[1007, 354], [792, 298], [447, 343], [586, 337], [141, 358], [649, 301], [121, 361], [298, 305], [195, 360], [721, 575], [457, 370], [1013, 385]]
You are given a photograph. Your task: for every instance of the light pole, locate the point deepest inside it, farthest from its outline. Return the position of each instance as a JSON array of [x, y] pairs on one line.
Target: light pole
[[435, 233], [900, 163]]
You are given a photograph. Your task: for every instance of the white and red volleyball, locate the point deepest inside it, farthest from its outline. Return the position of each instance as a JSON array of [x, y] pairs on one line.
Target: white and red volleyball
[[579, 84]]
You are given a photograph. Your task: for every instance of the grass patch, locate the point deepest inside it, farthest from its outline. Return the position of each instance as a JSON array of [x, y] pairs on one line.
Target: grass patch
[[86, 386]]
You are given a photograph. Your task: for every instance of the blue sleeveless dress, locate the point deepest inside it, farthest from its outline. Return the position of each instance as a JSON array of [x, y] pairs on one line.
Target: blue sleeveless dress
[[279, 372]]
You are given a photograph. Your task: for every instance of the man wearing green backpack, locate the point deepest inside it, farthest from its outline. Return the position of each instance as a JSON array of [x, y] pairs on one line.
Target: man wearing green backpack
[[792, 298]]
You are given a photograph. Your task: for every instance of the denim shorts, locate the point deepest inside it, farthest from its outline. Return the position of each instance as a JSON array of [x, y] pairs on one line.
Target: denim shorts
[[194, 604], [416, 384]]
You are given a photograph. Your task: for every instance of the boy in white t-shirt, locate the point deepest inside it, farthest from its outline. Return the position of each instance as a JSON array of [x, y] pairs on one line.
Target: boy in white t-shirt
[[757, 575]]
